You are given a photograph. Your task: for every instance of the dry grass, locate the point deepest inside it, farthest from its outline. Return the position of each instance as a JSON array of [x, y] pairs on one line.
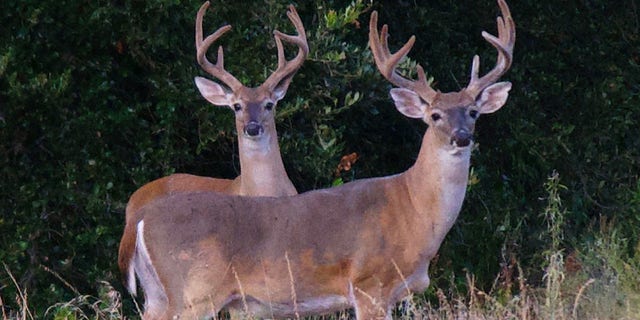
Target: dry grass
[[108, 306], [597, 281]]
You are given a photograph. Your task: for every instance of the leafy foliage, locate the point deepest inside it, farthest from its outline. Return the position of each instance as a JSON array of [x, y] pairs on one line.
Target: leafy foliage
[[97, 98]]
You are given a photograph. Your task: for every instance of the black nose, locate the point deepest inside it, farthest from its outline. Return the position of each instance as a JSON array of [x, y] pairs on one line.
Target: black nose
[[461, 138], [253, 129]]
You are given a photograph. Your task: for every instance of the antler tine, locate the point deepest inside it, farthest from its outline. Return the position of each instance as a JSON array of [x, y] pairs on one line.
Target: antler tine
[[387, 63], [301, 38], [286, 69], [504, 43], [202, 46]]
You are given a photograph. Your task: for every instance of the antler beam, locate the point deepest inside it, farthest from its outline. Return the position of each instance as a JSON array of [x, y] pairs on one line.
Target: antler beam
[[388, 63], [202, 46], [287, 68], [504, 43]]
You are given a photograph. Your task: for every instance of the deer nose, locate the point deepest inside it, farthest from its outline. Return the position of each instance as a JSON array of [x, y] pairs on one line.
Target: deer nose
[[461, 138], [253, 129]]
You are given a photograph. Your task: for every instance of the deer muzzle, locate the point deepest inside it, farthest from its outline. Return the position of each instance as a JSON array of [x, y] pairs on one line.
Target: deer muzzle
[[253, 129], [461, 138]]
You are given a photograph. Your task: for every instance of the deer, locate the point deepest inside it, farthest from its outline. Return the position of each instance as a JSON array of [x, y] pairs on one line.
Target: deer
[[363, 245], [262, 170]]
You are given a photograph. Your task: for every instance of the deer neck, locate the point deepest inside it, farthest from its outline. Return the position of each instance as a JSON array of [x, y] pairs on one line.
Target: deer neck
[[438, 180], [262, 171]]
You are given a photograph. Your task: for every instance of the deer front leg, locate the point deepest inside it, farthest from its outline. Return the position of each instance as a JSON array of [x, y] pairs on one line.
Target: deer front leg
[[370, 304], [235, 314]]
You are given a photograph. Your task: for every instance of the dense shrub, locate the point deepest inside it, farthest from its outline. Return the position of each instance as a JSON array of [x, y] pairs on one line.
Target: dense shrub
[[97, 98]]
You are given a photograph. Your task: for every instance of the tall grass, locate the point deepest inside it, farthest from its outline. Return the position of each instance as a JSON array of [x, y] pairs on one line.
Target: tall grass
[[554, 276], [594, 279], [107, 306], [598, 279]]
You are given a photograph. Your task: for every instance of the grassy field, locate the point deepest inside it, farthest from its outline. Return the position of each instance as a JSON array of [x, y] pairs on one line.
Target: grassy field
[[598, 284], [595, 280]]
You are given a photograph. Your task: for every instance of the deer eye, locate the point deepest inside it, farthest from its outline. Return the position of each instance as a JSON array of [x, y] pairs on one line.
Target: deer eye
[[268, 106], [435, 116], [237, 107], [473, 114]]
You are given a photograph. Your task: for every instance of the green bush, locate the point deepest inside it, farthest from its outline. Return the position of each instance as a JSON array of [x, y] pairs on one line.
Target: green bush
[[97, 99]]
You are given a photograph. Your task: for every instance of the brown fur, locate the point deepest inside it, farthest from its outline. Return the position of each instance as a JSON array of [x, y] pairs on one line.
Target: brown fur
[[263, 172], [364, 244], [367, 234]]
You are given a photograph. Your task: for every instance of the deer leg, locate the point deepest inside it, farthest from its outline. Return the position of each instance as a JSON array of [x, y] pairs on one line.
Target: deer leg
[[369, 304], [366, 309], [237, 315]]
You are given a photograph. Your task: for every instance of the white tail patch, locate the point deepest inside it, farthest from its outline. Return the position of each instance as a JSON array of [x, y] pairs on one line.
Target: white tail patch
[[131, 280], [154, 295]]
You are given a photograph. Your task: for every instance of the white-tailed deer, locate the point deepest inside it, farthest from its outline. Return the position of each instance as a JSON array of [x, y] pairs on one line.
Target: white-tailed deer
[[262, 171], [364, 244]]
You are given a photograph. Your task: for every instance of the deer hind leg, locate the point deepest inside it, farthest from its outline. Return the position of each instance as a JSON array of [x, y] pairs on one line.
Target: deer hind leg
[[155, 298]]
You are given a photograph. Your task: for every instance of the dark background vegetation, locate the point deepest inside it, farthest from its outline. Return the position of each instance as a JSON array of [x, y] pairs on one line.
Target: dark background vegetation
[[97, 98]]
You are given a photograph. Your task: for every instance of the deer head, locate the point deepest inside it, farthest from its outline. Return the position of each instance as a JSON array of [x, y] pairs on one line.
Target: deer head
[[452, 114], [253, 107]]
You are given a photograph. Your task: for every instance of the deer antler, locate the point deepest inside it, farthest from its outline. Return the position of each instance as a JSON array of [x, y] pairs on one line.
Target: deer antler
[[387, 62], [202, 46], [286, 68], [504, 44]]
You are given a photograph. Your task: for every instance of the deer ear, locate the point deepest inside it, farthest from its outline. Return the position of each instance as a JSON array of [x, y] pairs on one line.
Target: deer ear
[[493, 97], [212, 91], [281, 88], [408, 103]]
